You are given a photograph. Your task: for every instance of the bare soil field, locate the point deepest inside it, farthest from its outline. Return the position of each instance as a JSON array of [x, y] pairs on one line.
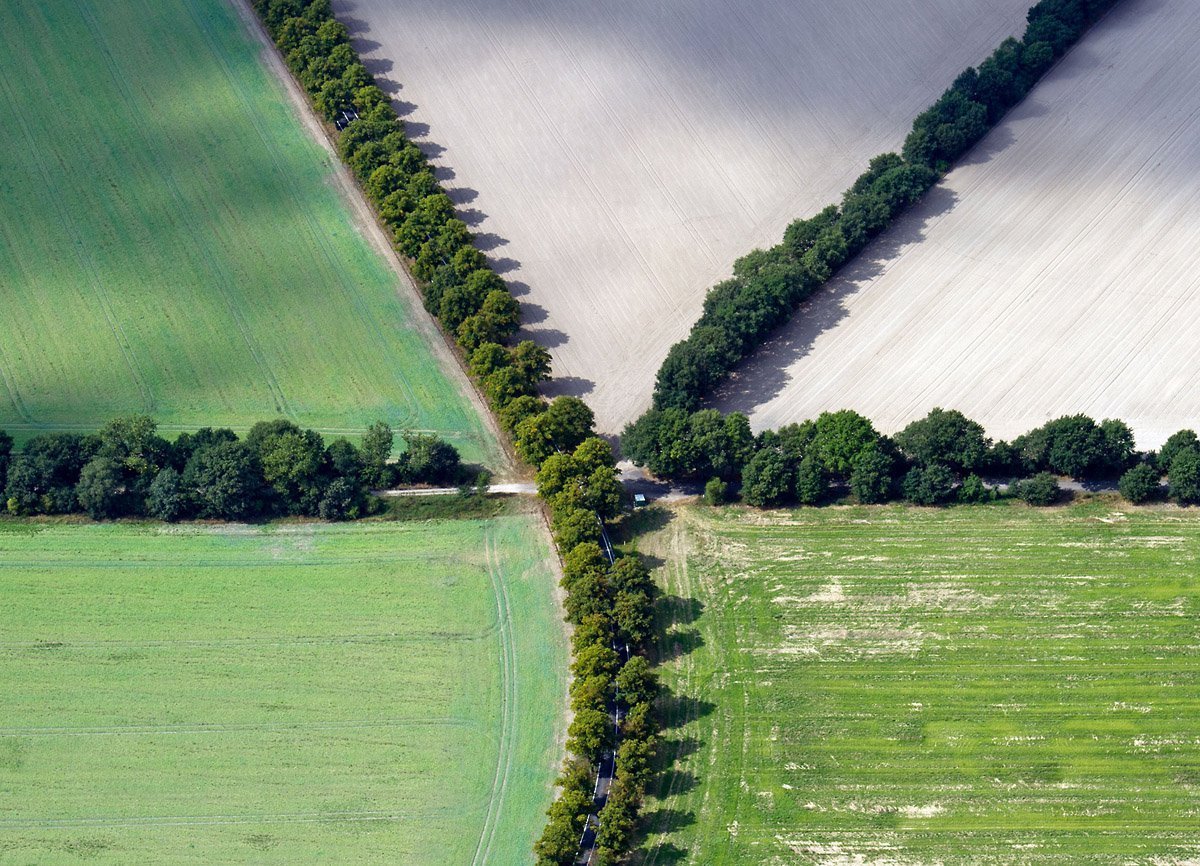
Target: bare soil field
[[617, 157], [1055, 271]]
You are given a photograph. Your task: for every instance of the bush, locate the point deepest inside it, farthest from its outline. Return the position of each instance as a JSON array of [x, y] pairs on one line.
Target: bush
[[768, 479], [1139, 484], [166, 499], [947, 437], [1182, 441], [974, 491], [715, 491], [1041, 489], [932, 484], [871, 477]]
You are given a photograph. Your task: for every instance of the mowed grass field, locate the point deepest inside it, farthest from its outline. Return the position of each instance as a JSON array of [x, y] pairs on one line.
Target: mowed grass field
[[381, 693], [901, 686], [176, 243]]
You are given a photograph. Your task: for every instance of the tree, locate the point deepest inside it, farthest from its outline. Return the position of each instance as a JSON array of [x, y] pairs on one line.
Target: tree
[[636, 681], [566, 422], [596, 660], [166, 499], [574, 526], [931, 484], [1184, 477], [100, 487], [1041, 489], [840, 439], [947, 437], [1118, 446], [344, 461], [375, 452], [1182, 441], [633, 612], [590, 734], [768, 479], [42, 477], [428, 459], [812, 482], [223, 481], [531, 361], [293, 464], [6, 444], [1139, 483], [340, 501], [871, 476]]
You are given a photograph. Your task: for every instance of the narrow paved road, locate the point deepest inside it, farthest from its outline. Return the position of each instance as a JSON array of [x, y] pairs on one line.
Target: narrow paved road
[[522, 488]]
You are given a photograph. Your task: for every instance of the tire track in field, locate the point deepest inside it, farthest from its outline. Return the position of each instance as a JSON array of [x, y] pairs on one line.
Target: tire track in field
[[99, 291], [104, 822], [186, 729], [319, 238], [508, 700], [223, 278]]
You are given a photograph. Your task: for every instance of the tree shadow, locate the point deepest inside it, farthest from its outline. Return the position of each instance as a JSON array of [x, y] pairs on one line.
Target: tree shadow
[[766, 373], [678, 610], [532, 314], [668, 820], [488, 241], [679, 642], [563, 386]]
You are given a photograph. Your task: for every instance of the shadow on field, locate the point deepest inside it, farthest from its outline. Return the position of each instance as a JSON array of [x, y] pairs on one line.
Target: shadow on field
[[487, 242], [764, 375]]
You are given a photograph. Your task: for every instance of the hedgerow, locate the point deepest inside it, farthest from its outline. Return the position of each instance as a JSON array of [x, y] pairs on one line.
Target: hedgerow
[[768, 286]]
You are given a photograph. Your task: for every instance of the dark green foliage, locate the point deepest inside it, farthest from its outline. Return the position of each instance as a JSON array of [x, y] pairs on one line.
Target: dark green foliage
[[566, 422], [715, 491], [1182, 441], [1140, 483], [974, 491], [1041, 489], [840, 439], [768, 479], [166, 499], [947, 437], [375, 452], [812, 481], [224, 481], [590, 733], [1184, 477], [99, 489], [427, 460], [672, 443], [871, 476], [42, 477], [1076, 445], [6, 444], [929, 484]]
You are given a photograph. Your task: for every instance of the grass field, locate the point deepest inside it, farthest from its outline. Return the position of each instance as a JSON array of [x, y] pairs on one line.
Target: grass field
[[175, 242], [899, 686], [376, 693]]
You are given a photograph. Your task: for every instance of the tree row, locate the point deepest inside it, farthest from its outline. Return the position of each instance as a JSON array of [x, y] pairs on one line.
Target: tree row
[[768, 286]]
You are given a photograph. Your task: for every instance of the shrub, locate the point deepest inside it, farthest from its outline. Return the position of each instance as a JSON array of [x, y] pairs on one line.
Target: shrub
[[812, 481], [715, 491], [1139, 484], [166, 499], [973, 490], [1041, 489], [932, 484], [768, 479], [1177, 442], [871, 477], [947, 437]]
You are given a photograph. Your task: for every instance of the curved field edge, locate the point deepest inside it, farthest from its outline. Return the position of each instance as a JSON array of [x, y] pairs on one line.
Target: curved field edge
[[988, 684], [180, 245], [290, 693]]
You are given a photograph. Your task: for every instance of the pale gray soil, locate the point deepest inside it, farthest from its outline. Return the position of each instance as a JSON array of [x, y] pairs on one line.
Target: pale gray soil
[[618, 156], [1057, 270]]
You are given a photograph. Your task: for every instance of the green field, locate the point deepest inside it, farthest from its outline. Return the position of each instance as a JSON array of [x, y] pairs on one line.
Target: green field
[[907, 686], [377, 693], [174, 241]]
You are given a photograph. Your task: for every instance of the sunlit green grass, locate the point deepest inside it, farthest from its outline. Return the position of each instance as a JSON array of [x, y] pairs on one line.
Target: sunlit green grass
[[369, 693], [173, 242], [914, 686]]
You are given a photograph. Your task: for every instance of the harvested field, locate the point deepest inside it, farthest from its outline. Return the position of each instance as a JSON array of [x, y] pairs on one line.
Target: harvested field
[[368, 693], [1055, 271], [176, 243], [895, 686], [617, 157]]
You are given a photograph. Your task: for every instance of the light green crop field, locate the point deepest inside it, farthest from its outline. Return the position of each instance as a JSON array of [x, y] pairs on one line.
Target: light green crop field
[[376, 693], [174, 241], [902, 686]]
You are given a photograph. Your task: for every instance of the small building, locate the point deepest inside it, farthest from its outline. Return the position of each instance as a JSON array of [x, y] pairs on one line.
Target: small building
[[639, 500]]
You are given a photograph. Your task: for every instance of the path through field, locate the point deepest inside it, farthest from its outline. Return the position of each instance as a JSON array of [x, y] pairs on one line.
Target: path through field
[[1063, 277], [618, 156], [366, 693]]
